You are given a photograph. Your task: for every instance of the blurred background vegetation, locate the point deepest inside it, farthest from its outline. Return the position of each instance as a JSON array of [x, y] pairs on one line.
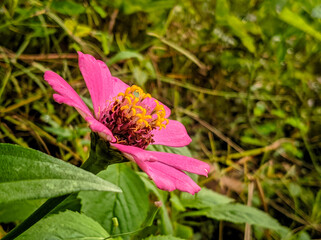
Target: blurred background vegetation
[[243, 76]]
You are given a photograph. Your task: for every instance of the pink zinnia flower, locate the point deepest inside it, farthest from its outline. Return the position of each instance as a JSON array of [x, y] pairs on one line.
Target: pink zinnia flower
[[131, 120]]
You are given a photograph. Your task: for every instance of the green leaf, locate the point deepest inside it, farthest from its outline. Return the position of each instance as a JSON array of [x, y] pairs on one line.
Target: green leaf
[[165, 223], [297, 123], [123, 55], [279, 113], [130, 207], [99, 10], [181, 50], [30, 174], [298, 22], [316, 12], [79, 30], [18, 210], [185, 232], [252, 140], [66, 225], [71, 203], [67, 7], [222, 10], [203, 199], [140, 76], [130, 7], [302, 235], [238, 213], [237, 26], [239, 29], [316, 209], [167, 237], [176, 202]]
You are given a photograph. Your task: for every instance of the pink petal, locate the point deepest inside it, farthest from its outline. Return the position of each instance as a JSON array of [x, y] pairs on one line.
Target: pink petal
[[119, 86], [152, 104], [165, 168], [101, 84], [174, 160], [66, 94], [174, 135], [169, 179], [100, 128], [179, 162]]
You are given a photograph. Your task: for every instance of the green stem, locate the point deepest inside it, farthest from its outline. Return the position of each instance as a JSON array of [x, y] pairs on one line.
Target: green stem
[[101, 156]]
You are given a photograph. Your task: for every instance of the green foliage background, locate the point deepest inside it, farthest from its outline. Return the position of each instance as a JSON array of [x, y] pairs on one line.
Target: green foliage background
[[243, 76]]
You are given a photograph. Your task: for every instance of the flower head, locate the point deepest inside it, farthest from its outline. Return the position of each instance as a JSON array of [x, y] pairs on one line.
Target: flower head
[[131, 120]]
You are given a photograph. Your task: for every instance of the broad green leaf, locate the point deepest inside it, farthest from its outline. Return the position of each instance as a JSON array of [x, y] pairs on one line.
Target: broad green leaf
[[151, 215], [298, 22], [30, 174], [238, 213], [123, 55], [65, 225], [183, 231], [71, 203], [130, 207], [164, 237], [67, 7], [203, 199], [18, 210]]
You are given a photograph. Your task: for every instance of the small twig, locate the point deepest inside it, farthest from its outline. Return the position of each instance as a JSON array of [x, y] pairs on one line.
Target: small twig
[[31, 126], [218, 93], [240, 162], [112, 20], [20, 104], [181, 50], [247, 233], [212, 129], [261, 194], [39, 57], [265, 207], [256, 151], [221, 227], [289, 215]]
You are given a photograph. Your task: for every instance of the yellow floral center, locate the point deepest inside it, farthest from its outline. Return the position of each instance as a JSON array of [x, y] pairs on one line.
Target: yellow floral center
[[133, 115]]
